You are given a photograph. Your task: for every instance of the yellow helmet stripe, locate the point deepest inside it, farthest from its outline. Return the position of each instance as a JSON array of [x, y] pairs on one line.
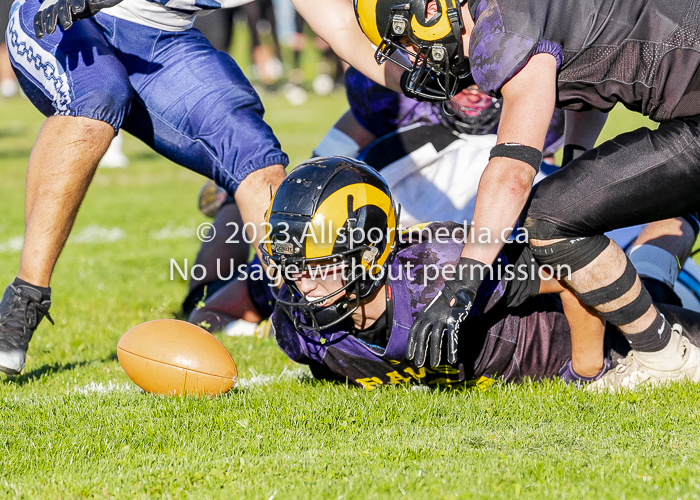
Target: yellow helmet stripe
[[335, 209], [367, 16], [437, 31]]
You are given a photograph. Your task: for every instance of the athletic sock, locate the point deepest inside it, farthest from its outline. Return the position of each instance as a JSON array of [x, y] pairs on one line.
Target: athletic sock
[[45, 290], [654, 338]]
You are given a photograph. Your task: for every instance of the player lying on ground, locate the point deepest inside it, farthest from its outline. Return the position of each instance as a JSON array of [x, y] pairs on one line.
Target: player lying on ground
[[432, 158], [138, 66], [537, 55], [519, 334]]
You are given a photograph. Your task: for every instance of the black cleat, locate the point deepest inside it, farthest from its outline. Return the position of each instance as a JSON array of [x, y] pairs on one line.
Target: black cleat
[[21, 310]]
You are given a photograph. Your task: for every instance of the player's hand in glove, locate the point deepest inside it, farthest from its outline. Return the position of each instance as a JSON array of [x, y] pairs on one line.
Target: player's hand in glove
[[65, 12], [433, 87], [444, 314]]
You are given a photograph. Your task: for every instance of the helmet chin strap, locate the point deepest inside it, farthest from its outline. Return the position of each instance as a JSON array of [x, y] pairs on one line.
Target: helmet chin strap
[[454, 15], [333, 312], [461, 67], [455, 18]]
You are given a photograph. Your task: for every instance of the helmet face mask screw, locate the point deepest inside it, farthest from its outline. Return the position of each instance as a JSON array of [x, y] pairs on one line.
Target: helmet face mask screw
[[438, 52], [398, 25]]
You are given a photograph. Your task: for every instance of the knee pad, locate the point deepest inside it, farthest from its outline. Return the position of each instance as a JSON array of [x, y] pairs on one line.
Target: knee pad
[[575, 253]]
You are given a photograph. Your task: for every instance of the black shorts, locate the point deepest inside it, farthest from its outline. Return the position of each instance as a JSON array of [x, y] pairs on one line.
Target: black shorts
[[638, 177]]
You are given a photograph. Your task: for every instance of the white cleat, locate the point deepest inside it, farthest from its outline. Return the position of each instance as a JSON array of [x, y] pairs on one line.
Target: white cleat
[[678, 361], [12, 362]]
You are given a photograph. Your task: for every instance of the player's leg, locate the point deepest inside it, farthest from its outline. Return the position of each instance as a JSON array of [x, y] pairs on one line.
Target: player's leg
[[220, 256], [75, 80], [230, 303], [659, 252], [60, 169], [638, 177], [687, 319], [211, 121]]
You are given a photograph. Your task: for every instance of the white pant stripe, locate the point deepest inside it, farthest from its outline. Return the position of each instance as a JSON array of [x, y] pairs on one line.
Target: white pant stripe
[[38, 63]]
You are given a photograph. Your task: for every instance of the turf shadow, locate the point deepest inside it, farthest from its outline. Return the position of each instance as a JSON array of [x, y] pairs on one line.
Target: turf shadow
[[51, 369]]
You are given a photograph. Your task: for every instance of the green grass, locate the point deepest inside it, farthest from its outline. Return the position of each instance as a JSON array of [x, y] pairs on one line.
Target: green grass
[[73, 424]]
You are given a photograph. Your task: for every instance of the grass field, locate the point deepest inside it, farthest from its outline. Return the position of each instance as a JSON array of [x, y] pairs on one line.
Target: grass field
[[73, 424]]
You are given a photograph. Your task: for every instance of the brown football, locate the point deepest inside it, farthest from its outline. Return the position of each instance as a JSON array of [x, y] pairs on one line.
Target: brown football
[[168, 356]]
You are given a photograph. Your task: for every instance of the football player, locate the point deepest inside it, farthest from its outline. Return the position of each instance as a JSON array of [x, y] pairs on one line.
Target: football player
[[94, 67], [583, 57], [250, 297], [348, 302], [432, 159], [431, 156]]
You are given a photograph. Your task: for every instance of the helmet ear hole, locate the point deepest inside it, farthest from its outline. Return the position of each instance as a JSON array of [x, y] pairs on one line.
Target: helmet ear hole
[[431, 10]]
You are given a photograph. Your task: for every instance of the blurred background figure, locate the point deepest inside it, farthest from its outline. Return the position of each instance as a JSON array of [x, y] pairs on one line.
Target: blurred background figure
[[329, 69], [115, 157], [8, 82], [280, 46], [265, 50]]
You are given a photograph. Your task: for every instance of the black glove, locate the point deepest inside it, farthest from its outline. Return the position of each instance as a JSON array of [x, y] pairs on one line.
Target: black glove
[[52, 12], [434, 87], [445, 313]]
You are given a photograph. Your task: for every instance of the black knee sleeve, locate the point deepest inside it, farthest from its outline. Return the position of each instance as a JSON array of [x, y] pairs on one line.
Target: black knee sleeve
[[540, 229], [627, 313], [575, 253]]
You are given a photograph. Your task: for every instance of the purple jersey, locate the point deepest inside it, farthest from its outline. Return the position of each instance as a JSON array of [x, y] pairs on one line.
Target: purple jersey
[[494, 342], [380, 110], [642, 53]]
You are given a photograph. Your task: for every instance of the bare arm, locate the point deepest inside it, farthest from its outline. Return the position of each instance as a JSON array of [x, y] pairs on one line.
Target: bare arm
[[349, 125], [334, 21], [528, 104], [253, 199]]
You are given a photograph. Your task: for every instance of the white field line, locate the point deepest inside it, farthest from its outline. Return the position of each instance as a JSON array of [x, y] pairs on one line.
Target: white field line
[[101, 388], [170, 232], [14, 244], [261, 379], [97, 234], [257, 380]]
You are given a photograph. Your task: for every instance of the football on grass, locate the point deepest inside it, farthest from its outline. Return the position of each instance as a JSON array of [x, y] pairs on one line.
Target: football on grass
[[173, 357]]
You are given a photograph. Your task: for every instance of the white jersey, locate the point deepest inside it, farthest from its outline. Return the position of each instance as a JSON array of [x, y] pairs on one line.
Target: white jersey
[[167, 15]]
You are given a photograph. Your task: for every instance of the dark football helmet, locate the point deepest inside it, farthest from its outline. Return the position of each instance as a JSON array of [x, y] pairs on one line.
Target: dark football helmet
[[434, 45], [471, 112], [330, 212]]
